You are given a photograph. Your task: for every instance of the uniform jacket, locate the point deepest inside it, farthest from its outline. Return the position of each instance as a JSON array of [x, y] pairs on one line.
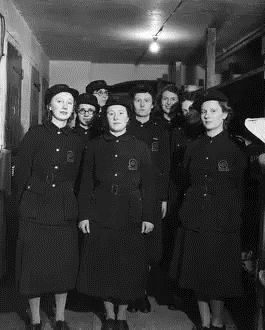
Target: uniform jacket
[[215, 168], [45, 172], [156, 136], [86, 135], [117, 182], [182, 134]]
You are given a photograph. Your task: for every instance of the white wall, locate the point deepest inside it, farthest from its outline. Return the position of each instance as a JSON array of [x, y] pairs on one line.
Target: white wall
[[79, 74], [20, 36]]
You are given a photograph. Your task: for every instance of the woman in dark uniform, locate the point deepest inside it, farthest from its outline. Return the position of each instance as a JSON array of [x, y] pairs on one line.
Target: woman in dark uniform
[[45, 172], [115, 203], [211, 213]]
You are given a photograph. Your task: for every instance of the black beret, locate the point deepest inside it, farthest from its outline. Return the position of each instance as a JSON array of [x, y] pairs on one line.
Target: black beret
[[60, 88], [213, 95], [88, 99], [96, 85], [142, 88], [119, 101]]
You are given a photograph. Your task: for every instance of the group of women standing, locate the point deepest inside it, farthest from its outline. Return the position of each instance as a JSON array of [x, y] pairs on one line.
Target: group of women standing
[[114, 210]]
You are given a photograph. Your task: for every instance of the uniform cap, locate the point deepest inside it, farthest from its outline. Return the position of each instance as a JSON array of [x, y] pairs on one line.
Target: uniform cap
[[87, 99], [120, 101], [213, 95], [142, 88], [59, 88], [96, 85]]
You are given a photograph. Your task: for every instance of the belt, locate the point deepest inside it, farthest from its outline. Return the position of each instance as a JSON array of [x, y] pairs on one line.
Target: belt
[[117, 190]]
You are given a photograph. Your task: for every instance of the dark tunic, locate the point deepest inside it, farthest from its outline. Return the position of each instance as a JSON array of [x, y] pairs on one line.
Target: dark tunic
[[156, 136], [211, 216], [183, 134], [116, 195], [86, 135], [45, 171]]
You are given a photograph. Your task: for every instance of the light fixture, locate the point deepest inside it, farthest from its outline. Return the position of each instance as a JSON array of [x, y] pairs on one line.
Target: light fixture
[[154, 46]]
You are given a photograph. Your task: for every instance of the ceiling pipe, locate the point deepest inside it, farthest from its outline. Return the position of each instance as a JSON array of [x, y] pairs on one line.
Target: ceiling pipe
[[241, 43]]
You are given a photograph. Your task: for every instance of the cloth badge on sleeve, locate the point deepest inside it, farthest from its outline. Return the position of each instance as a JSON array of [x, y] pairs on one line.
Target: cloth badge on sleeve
[[223, 166], [70, 156], [133, 165]]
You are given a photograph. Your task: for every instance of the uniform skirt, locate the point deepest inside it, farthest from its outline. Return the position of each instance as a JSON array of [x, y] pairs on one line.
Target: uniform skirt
[[113, 263], [211, 264], [47, 258]]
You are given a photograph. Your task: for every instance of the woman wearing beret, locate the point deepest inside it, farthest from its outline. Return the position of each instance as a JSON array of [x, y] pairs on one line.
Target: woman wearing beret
[[45, 172], [87, 109], [99, 89], [211, 213], [115, 204]]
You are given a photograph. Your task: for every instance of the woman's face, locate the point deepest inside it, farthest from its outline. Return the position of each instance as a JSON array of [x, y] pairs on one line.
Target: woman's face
[[102, 96], [143, 104], [61, 106], [185, 107], [118, 118], [168, 100], [212, 116], [86, 113]]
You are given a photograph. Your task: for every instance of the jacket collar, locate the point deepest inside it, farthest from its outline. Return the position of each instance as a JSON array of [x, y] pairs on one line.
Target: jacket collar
[[110, 137], [217, 137], [54, 129]]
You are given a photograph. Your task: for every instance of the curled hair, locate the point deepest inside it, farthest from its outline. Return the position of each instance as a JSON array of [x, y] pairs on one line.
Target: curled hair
[[168, 88], [226, 108]]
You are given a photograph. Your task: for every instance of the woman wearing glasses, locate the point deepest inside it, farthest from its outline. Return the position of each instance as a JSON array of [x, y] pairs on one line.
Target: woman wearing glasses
[[99, 89], [87, 110]]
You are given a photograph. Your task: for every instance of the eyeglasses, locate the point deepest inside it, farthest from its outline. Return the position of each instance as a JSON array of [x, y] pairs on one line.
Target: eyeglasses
[[83, 112], [101, 93]]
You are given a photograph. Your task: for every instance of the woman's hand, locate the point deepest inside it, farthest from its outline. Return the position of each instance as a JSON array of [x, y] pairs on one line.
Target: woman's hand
[[147, 227], [262, 159], [84, 226], [164, 209]]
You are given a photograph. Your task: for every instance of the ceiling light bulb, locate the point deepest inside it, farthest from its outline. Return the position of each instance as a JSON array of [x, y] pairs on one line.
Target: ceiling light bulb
[[154, 47]]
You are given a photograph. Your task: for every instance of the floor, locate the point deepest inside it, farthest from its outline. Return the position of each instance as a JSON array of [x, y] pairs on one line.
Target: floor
[[160, 318], [85, 314]]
